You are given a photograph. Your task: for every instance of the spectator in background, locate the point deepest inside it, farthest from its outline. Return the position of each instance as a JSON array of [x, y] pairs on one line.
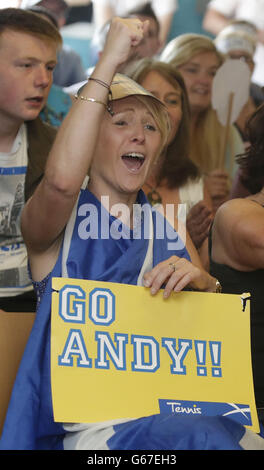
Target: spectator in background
[[196, 57], [58, 102], [176, 179], [69, 69], [237, 255], [28, 49], [150, 44], [148, 47], [164, 10], [219, 14], [236, 43], [249, 29]]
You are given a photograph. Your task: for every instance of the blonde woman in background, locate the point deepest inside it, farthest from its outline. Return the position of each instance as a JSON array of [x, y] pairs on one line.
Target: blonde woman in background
[[237, 43], [197, 59], [176, 179]]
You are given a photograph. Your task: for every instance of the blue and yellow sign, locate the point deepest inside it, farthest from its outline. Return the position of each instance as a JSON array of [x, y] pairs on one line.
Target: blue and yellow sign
[[119, 352]]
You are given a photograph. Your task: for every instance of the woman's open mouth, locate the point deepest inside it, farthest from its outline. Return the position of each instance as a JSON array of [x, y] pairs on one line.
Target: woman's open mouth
[[133, 160]]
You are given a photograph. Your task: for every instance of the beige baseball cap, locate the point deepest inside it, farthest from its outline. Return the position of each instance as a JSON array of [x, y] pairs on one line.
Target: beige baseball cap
[[122, 87]]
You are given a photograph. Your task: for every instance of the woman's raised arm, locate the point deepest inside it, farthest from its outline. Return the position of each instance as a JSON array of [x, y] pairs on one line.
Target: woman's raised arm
[[47, 212]]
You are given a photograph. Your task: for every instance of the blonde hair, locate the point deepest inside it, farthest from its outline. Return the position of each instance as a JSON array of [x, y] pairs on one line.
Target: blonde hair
[[182, 48], [208, 136], [206, 142]]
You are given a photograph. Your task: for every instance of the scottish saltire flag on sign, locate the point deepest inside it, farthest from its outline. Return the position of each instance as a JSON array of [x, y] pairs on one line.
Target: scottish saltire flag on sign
[[237, 411], [118, 352]]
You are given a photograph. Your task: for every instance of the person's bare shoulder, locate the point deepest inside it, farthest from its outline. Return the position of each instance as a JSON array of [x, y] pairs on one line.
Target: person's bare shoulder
[[238, 234]]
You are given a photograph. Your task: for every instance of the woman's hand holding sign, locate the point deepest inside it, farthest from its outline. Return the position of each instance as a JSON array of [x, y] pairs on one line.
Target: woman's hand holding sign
[[176, 274]]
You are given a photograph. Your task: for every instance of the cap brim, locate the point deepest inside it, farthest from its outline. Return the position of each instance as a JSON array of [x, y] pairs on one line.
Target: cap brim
[[123, 86]]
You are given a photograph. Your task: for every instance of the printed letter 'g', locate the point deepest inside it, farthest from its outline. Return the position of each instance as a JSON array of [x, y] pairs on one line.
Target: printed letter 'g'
[[72, 304]]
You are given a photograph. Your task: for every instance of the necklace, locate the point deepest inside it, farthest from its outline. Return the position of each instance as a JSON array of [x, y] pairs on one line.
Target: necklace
[[262, 194], [258, 200], [153, 196]]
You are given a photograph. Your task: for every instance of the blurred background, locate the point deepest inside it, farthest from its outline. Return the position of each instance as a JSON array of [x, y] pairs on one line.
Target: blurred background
[[81, 21]]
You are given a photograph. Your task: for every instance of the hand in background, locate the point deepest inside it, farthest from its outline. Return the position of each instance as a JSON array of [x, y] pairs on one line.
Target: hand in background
[[218, 183], [198, 223]]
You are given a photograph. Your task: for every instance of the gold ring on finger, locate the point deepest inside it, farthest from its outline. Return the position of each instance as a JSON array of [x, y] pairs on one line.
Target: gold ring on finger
[[173, 266]]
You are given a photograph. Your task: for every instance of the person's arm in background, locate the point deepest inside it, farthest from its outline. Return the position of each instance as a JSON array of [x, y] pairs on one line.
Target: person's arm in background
[[164, 11], [214, 21], [218, 14], [165, 25], [102, 12], [237, 235]]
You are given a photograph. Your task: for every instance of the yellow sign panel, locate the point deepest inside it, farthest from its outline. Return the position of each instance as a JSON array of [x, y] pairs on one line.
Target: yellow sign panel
[[118, 352]]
